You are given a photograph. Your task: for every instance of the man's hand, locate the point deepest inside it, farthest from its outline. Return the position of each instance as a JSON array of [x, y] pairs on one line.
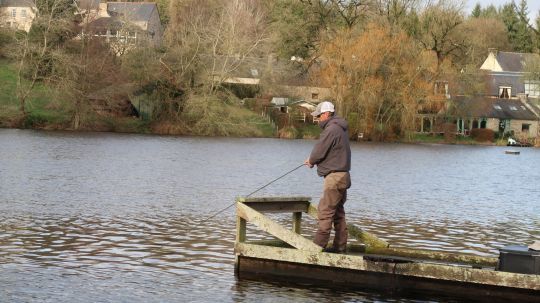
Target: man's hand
[[308, 164]]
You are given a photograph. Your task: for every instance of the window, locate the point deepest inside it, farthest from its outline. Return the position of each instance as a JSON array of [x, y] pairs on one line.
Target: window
[[23, 13], [525, 127], [14, 13], [532, 88], [505, 92], [523, 107], [497, 107], [314, 96], [441, 88], [513, 108], [483, 123]]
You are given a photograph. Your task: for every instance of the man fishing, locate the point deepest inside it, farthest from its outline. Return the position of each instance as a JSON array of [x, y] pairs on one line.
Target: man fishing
[[332, 155]]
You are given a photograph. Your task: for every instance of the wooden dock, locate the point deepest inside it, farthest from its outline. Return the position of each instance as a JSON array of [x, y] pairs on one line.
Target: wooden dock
[[371, 265]]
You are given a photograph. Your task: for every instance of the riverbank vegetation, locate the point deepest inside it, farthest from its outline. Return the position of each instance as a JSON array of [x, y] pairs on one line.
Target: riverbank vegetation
[[380, 60]]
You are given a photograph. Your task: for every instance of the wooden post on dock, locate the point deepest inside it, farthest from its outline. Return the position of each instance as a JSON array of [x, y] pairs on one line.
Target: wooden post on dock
[[297, 222], [240, 229]]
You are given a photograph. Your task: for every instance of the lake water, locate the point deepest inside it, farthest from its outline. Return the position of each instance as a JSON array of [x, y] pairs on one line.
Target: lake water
[[98, 217]]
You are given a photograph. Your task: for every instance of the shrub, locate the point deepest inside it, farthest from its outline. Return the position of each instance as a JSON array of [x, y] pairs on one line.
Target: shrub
[[449, 130], [289, 133], [483, 134]]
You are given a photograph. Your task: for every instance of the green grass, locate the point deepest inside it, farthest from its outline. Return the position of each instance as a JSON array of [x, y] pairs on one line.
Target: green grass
[[252, 123], [427, 138], [42, 107], [8, 83]]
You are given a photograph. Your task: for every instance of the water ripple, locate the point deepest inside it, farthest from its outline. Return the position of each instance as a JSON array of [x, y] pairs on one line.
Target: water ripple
[[121, 218]]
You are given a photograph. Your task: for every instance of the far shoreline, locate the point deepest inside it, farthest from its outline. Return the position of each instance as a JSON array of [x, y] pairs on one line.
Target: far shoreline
[[467, 141]]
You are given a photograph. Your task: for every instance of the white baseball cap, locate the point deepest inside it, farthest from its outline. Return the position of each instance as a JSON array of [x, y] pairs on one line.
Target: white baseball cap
[[323, 107]]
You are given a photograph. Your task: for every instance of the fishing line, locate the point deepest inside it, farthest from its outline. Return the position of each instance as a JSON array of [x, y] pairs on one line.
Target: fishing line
[[255, 191]]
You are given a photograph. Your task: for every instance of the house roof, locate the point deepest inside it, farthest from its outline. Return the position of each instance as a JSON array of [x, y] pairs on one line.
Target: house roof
[[17, 3], [508, 62], [305, 104], [489, 107], [495, 80], [135, 11], [105, 23], [89, 4], [515, 62]]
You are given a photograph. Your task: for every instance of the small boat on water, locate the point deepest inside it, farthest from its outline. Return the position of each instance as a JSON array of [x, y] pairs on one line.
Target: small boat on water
[[512, 142], [373, 264], [512, 152]]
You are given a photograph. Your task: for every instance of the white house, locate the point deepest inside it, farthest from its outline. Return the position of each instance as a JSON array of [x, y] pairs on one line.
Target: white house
[[17, 14], [122, 22], [506, 72]]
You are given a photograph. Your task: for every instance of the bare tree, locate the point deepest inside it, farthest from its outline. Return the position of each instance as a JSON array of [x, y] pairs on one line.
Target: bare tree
[[334, 12], [32, 50], [479, 35], [397, 11], [439, 24], [209, 41]]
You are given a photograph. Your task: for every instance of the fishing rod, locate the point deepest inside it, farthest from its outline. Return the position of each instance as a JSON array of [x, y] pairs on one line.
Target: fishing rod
[[217, 213]]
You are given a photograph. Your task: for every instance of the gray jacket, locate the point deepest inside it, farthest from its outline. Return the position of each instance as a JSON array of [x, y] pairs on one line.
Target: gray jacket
[[332, 152]]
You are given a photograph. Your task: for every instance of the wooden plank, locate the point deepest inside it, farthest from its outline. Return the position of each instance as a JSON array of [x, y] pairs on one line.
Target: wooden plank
[[273, 199], [279, 207], [298, 256], [297, 222], [273, 228], [469, 275], [421, 270], [353, 249], [435, 255], [365, 237]]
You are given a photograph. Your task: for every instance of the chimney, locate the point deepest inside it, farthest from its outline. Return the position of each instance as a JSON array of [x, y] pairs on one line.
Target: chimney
[[523, 97], [103, 6], [493, 51]]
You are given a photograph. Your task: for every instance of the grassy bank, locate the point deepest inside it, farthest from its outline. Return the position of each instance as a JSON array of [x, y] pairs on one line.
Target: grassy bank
[[439, 139], [8, 102], [46, 110]]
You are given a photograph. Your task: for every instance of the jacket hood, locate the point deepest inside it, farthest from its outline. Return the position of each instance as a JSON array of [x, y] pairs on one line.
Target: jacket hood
[[335, 120]]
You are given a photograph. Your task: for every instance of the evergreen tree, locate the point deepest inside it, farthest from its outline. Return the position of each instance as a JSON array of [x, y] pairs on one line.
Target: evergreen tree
[[524, 42], [477, 11], [518, 30], [490, 12]]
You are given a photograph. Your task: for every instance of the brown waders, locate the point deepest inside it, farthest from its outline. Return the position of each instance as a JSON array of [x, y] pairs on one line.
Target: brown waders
[[331, 210]]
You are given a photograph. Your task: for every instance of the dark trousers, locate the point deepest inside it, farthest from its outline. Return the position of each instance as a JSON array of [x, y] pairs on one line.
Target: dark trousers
[[331, 210]]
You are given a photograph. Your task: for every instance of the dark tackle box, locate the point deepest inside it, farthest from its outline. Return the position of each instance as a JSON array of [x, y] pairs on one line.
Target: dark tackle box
[[519, 259]]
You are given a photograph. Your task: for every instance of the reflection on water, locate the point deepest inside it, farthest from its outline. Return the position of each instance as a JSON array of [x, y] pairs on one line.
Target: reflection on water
[[120, 218]]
